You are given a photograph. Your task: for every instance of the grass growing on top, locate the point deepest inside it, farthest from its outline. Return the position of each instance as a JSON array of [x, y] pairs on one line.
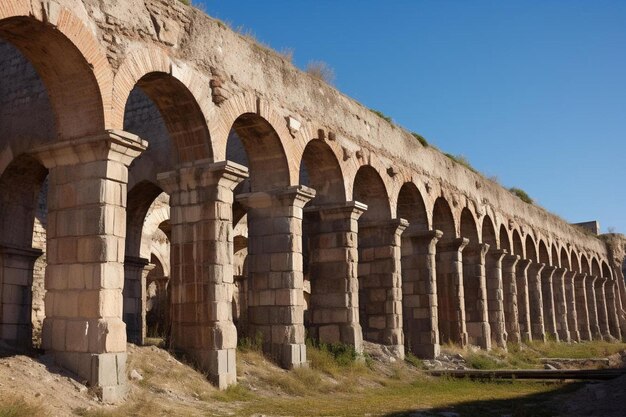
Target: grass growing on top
[[382, 116], [521, 194], [462, 160], [421, 139]]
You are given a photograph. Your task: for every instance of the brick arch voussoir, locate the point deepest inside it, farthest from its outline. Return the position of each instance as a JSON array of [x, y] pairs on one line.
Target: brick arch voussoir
[[308, 133], [83, 39], [407, 175], [374, 161], [222, 118]]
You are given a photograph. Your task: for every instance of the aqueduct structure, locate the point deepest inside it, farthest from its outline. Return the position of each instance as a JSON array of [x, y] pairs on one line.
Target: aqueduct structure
[[144, 139]]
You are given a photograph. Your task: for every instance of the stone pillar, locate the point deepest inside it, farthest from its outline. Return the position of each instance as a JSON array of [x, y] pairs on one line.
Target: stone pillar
[[510, 302], [561, 313], [83, 328], [594, 324], [275, 271], [570, 297], [536, 302], [16, 280], [495, 296], [380, 283], [333, 271], [450, 293], [419, 292], [611, 291], [202, 284], [603, 319], [134, 292], [475, 290], [582, 307], [523, 299], [547, 298]]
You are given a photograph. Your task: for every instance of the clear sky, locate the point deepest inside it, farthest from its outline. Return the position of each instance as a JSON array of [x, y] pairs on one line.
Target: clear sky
[[531, 92]]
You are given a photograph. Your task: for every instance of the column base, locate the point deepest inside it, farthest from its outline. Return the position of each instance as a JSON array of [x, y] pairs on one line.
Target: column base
[[564, 336], [426, 351], [575, 336], [348, 334], [482, 331], [104, 372], [526, 336], [290, 356], [219, 365]]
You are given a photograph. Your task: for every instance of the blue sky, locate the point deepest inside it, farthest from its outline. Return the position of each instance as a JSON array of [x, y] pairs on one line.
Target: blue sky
[[531, 92]]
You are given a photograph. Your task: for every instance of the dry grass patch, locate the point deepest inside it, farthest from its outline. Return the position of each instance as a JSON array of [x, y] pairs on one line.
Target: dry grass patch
[[18, 407]]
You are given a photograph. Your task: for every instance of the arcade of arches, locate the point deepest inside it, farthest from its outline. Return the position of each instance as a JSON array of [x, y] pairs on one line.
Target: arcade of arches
[[146, 193]]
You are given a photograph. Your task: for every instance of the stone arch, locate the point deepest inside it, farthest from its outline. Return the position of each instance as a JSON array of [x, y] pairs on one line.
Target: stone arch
[[595, 267], [370, 189], [451, 313], [530, 249], [222, 121], [320, 170], [69, 61], [518, 247], [584, 264], [179, 109], [606, 270], [565, 259], [411, 207], [575, 260], [139, 200], [474, 285], [554, 256], [544, 255], [417, 282], [443, 219], [488, 233], [254, 142], [505, 239]]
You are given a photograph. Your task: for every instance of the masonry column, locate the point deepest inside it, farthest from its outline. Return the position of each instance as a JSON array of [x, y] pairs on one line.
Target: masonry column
[[275, 271], [610, 289], [202, 283], [510, 303], [380, 283], [547, 297], [83, 328], [475, 290], [134, 292], [570, 297], [594, 324], [450, 292], [560, 305], [582, 306], [16, 280], [419, 293], [523, 299], [603, 321], [333, 269], [535, 301], [495, 296]]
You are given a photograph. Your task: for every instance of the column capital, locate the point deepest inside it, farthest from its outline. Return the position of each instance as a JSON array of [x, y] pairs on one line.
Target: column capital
[[497, 254], [399, 225], [202, 173], [524, 263], [599, 281], [353, 209], [476, 249], [423, 235], [295, 195], [549, 269], [114, 145], [454, 245], [135, 261], [536, 267]]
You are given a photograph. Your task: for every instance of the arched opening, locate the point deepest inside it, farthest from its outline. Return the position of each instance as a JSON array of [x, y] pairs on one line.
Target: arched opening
[[535, 302], [474, 283], [546, 293], [329, 251], [70, 84], [451, 313], [273, 221], [521, 281], [600, 299], [418, 282], [584, 296], [494, 283], [510, 294], [379, 263], [23, 223]]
